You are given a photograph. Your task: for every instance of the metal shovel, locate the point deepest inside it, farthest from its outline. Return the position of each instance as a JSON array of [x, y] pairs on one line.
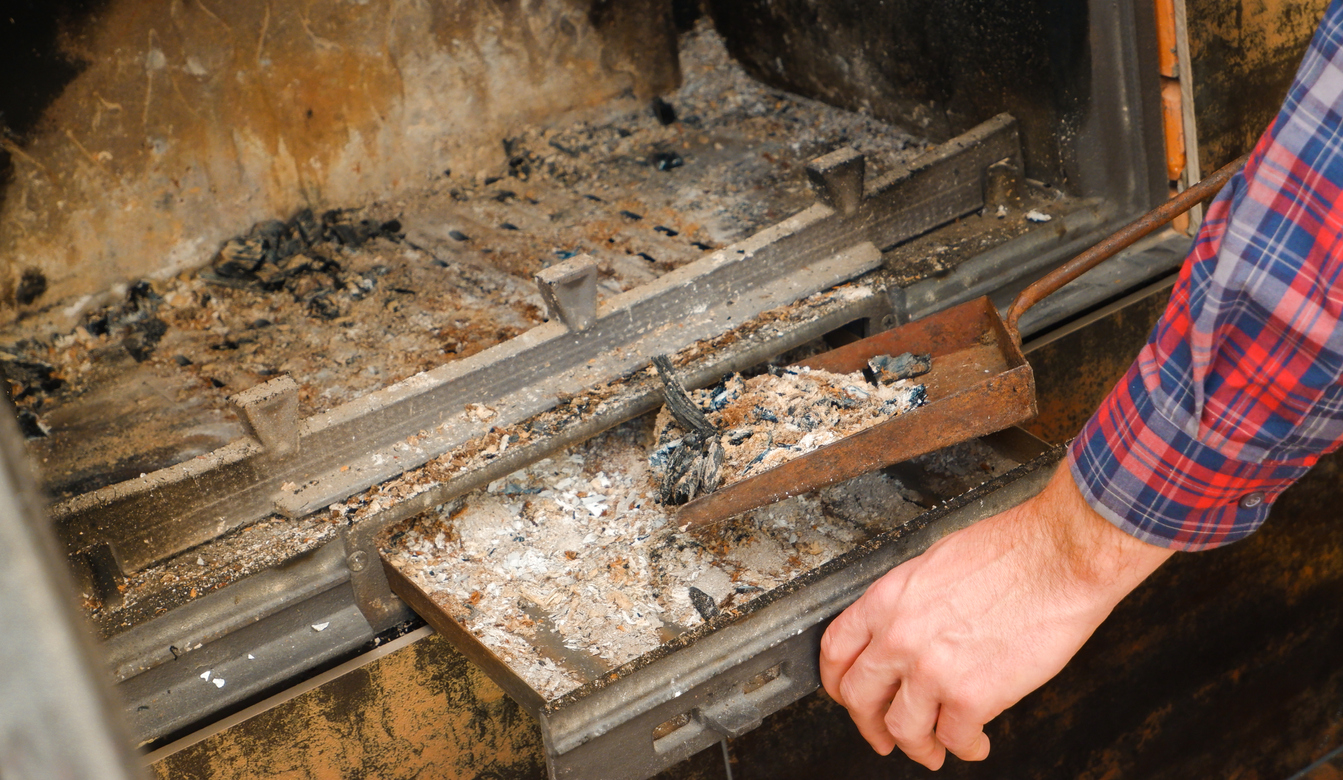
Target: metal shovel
[[979, 383]]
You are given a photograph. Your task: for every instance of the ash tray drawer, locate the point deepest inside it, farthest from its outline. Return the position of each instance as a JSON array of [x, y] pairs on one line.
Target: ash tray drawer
[[637, 645]]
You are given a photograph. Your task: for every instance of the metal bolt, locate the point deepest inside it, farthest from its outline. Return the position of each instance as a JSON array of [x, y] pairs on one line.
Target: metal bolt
[[888, 321], [358, 560]]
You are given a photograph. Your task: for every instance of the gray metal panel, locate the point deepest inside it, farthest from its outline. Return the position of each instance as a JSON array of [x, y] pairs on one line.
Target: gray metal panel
[[55, 718]]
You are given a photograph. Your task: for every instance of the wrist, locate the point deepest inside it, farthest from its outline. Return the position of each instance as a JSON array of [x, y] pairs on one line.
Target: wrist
[[1088, 553]]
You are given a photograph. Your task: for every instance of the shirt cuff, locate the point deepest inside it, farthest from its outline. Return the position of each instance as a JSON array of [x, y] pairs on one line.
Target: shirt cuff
[[1143, 472]]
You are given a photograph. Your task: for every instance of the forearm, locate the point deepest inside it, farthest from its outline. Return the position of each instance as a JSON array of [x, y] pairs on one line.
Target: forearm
[[1086, 554]]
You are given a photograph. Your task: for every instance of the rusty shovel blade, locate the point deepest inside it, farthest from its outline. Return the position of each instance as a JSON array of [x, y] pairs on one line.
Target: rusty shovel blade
[[979, 384]]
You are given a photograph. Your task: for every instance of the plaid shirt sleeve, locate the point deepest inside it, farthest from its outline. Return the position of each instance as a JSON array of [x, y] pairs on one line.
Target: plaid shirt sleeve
[[1237, 393]]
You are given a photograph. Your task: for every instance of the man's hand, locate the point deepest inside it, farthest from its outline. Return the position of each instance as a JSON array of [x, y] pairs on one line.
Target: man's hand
[[942, 644]]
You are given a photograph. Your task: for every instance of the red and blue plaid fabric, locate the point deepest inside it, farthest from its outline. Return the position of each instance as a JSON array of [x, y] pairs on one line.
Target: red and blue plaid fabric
[[1237, 393]]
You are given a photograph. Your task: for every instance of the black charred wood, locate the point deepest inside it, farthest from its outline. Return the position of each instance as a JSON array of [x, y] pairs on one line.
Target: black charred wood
[[143, 336], [704, 604], [667, 161], [887, 369], [663, 111]]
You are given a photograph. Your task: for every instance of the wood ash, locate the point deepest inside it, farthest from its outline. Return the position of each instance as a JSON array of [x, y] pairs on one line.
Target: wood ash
[[743, 427], [570, 568]]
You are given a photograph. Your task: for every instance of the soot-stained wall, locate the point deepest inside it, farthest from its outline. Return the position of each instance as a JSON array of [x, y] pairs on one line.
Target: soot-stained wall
[[170, 125], [937, 67]]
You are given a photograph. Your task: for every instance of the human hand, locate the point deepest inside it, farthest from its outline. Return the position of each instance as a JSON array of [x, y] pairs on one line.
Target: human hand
[[943, 643]]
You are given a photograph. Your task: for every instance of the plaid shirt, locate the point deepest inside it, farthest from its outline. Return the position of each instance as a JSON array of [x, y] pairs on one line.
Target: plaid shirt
[[1238, 393]]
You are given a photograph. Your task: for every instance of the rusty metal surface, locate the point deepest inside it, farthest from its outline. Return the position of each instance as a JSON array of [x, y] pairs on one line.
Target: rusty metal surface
[[979, 384], [1120, 240], [1243, 57]]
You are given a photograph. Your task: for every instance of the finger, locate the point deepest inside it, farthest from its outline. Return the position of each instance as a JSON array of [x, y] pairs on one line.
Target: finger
[[910, 721], [962, 734], [844, 640], [866, 691]]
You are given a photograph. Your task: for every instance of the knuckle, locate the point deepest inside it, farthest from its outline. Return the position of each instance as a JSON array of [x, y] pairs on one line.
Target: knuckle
[[848, 691], [905, 736]]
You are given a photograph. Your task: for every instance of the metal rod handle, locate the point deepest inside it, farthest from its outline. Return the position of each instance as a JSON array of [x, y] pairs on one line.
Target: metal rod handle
[[1121, 239]]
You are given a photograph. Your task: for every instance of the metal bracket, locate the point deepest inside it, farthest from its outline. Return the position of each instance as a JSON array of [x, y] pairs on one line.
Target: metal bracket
[[1002, 185], [270, 412], [838, 179], [372, 593], [570, 291]]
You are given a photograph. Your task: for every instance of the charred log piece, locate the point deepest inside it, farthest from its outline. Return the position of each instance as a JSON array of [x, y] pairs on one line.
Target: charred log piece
[[694, 467], [888, 370], [704, 604]]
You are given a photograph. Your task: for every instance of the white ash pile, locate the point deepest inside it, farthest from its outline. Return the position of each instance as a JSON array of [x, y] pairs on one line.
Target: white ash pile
[[742, 427]]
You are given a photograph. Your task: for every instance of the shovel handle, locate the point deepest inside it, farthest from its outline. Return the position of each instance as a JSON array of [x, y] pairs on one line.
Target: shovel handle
[[1121, 239]]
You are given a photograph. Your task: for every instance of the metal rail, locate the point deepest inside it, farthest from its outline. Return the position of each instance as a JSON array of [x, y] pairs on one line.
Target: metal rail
[[335, 454]]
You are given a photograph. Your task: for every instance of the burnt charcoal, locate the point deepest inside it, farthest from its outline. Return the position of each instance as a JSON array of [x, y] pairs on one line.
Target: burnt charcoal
[[31, 426], [663, 111], [666, 161], [887, 369], [594, 198], [31, 286], [562, 148], [238, 259], [682, 408], [271, 276], [182, 360], [457, 235], [290, 244], [269, 235], [521, 166], [704, 604], [304, 224], [692, 469], [32, 374], [143, 336], [306, 286], [631, 215], [403, 291], [98, 324], [648, 257], [322, 307], [447, 171], [340, 226], [141, 297], [508, 226], [344, 233], [666, 231], [216, 383], [390, 228], [504, 196]]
